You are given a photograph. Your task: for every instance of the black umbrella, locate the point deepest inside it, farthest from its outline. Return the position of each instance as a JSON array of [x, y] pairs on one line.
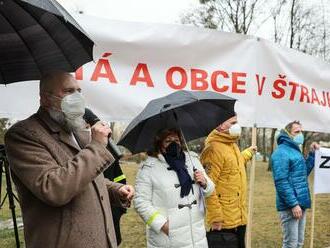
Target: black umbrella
[[196, 113], [37, 36]]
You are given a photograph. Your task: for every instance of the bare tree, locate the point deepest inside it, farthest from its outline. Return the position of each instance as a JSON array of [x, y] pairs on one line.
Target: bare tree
[[272, 146], [203, 16], [278, 35], [264, 145], [227, 15], [300, 26], [4, 123], [297, 24]]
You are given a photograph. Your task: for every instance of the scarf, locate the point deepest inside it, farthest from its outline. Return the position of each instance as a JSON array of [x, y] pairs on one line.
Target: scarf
[[176, 159]]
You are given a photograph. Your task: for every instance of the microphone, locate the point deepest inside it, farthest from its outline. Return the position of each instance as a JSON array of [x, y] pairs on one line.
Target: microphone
[[91, 119]]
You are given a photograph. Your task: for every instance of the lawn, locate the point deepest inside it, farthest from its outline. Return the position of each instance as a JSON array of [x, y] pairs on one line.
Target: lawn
[[266, 230]]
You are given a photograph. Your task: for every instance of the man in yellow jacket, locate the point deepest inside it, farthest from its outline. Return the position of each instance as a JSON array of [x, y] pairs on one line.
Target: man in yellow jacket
[[226, 209]]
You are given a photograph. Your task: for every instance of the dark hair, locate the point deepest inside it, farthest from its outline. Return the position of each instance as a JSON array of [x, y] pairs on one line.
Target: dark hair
[[288, 127], [159, 138], [231, 115]]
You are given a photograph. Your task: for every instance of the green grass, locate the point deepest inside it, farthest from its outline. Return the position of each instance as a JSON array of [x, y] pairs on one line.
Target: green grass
[[5, 211], [266, 231], [7, 239]]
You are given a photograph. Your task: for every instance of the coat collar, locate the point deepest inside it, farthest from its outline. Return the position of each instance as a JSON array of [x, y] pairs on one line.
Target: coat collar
[[285, 139], [52, 125], [161, 158], [216, 136], [83, 137]]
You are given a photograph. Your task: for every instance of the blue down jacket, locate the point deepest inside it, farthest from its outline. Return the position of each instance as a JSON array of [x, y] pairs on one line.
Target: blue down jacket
[[290, 174]]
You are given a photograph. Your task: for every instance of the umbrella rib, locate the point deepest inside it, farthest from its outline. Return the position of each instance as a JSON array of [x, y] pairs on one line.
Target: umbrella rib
[[17, 32], [152, 118], [73, 21], [64, 13], [59, 47]]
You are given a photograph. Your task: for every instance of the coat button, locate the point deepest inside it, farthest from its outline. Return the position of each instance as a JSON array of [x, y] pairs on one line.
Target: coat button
[[101, 197]]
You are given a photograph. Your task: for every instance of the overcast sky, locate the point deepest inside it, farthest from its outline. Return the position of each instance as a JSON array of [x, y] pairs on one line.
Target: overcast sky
[[161, 11], [164, 11]]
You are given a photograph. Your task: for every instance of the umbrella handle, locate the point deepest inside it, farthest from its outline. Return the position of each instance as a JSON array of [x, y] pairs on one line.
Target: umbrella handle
[[185, 143], [184, 140]]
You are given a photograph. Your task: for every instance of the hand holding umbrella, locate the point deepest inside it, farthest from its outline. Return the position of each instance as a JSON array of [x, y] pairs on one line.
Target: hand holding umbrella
[[200, 178]]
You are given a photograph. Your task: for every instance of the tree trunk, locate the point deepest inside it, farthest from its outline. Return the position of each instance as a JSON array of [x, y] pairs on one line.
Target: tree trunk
[[272, 145], [292, 21], [264, 145], [308, 137]]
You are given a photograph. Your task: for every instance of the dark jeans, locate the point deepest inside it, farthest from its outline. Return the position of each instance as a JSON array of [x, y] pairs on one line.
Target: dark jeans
[[240, 232], [219, 239]]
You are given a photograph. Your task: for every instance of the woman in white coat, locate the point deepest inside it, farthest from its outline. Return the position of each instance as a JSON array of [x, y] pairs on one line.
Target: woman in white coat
[[170, 190]]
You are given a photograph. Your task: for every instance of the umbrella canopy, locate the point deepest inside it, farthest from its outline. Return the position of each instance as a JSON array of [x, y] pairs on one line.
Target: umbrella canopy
[[38, 36], [196, 113]]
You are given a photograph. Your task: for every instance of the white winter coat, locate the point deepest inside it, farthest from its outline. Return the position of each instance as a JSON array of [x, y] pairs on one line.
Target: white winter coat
[[157, 200]]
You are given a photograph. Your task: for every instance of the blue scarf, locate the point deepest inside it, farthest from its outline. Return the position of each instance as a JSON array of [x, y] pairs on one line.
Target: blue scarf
[[176, 159]]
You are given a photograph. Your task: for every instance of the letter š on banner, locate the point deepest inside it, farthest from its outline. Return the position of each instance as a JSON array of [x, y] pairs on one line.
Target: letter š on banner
[[279, 91], [299, 92]]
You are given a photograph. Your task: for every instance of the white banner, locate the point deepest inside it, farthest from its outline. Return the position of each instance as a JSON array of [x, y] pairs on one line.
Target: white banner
[[322, 171], [138, 62]]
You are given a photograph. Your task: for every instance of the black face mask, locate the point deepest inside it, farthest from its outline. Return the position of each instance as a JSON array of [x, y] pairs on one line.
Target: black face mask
[[173, 150]]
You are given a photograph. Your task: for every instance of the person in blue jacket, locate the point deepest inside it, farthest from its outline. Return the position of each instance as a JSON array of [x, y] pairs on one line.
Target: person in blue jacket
[[290, 174]]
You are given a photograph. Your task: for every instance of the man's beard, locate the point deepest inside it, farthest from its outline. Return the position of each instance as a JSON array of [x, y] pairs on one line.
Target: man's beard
[[68, 124]]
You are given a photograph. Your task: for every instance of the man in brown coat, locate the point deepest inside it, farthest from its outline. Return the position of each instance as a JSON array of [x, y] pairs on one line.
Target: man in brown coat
[[57, 167]]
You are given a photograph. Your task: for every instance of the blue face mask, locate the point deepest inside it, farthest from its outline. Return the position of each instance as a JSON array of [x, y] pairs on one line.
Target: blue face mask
[[299, 139]]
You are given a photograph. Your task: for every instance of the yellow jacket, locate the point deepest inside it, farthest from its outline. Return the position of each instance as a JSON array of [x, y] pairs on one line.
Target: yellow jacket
[[225, 165]]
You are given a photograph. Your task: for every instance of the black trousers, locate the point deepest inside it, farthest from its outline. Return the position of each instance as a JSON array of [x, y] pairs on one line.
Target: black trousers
[[240, 232], [227, 238]]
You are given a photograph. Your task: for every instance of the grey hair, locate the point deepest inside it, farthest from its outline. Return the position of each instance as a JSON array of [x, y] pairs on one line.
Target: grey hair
[[289, 126], [49, 79]]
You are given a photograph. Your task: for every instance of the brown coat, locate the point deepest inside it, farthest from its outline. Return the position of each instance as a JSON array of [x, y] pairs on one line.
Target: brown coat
[[63, 194]]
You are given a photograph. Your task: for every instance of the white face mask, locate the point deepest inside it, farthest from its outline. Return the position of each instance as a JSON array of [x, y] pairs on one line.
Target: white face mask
[[235, 130], [72, 111], [73, 105]]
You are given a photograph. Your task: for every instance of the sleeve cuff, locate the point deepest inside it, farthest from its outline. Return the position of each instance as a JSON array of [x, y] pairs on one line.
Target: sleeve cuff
[[247, 153], [294, 204], [156, 221], [105, 157], [209, 188]]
